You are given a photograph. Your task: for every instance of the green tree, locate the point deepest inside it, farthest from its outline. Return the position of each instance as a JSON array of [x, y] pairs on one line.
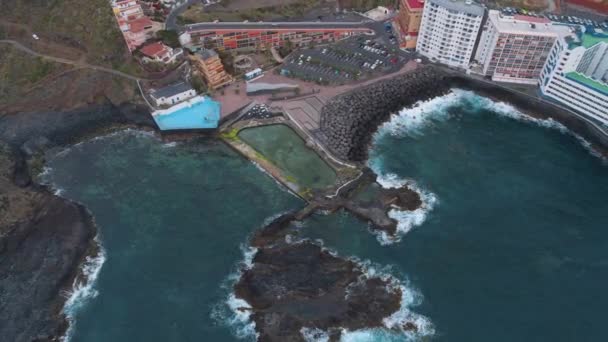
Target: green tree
[[169, 37]]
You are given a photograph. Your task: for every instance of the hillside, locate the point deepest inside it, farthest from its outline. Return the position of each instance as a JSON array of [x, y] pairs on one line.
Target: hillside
[[83, 31]]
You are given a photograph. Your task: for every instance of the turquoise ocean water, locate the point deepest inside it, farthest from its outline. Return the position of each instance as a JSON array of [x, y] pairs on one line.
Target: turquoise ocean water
[[512, 244]]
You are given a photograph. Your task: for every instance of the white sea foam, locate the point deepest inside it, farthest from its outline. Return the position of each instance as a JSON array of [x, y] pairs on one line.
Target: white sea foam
[[394, 324], [406, 220], [170, 144], [396, 321], [234, 312], [314, 335], [83, 289], [241, 318], [411, 121]]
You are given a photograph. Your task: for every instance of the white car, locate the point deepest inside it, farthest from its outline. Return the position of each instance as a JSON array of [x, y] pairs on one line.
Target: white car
[[35, 36]]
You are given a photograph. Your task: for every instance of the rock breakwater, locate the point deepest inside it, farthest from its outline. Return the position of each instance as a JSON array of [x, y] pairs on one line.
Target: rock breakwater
[[348, 121]]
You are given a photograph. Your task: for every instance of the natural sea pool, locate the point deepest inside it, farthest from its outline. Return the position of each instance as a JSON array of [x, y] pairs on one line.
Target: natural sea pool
[[282, 146]]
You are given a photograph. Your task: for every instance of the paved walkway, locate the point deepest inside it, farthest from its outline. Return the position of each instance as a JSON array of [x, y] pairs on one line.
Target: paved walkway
[[77, 63]]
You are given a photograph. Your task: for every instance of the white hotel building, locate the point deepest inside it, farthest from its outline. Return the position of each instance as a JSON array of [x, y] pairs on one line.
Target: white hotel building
[[576, 75], [515, 48], [448, 31]]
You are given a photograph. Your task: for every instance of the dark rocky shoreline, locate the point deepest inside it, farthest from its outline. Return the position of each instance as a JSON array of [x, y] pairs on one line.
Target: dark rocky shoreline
[[44, 239], [299, 285]]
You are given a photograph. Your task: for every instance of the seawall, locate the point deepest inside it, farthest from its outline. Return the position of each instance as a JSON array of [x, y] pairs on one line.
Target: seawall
[[348, 121]]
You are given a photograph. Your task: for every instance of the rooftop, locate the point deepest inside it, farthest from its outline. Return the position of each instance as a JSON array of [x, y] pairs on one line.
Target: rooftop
[[275, 26], [139, 24], [171, 90], [154, 49], [206, 53], [527, 25], [463, 6], [531, 19], [415, 4], [588, 82]]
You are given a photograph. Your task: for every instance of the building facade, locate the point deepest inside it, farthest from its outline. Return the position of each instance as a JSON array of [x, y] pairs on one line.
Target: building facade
[[160, 53], [136, 28], [409, 18], [576, 75], [231, 36], [210, 66], [172, 94], [449, 30], [515, 48]]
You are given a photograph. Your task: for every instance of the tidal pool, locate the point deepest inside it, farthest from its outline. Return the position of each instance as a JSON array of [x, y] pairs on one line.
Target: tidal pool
[[283, 147]]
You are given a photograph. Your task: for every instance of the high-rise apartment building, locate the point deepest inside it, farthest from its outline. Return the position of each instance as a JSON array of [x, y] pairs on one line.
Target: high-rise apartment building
[[576, 74], [410, 15], [515, 48], [449, 30]]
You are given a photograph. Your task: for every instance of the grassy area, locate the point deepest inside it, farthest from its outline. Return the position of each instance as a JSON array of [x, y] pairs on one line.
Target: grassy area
[[19, 71], [199, 13], [87, 25]]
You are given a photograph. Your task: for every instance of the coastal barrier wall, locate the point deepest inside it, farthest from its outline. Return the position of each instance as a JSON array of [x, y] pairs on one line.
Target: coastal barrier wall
[[349, 120]]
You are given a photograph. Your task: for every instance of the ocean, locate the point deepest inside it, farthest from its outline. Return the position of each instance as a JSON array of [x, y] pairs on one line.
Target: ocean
[[510, 245]]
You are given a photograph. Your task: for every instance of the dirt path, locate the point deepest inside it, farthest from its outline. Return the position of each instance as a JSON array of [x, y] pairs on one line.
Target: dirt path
[[76, 63]]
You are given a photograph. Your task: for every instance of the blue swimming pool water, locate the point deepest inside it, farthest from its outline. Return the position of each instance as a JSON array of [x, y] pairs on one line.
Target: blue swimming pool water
[[202, 114]]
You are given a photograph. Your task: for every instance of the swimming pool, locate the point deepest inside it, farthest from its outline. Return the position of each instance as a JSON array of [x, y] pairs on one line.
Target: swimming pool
[[196, 113]]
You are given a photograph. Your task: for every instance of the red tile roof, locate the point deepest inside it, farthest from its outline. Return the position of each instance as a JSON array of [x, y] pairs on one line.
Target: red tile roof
[[154, 49], [139, 24], [415, 4]]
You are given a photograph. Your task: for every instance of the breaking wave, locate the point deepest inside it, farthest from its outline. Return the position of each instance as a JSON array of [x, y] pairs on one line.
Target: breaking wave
[[314, 335], [412, 121], [234, 313], [406, 220], [83, 288]]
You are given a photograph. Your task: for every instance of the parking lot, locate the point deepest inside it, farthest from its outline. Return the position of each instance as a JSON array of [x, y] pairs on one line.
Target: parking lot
[[353, 59]]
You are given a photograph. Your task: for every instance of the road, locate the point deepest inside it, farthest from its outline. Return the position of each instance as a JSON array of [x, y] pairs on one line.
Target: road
[[171, 21], [78, 64]]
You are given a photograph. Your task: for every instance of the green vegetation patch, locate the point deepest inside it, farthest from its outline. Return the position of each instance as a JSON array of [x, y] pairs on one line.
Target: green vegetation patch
[[20, 71], [589, 82], [285, 149]]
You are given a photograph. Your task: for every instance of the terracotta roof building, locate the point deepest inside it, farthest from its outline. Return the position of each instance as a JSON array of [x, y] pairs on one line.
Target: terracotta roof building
[[159, 52]]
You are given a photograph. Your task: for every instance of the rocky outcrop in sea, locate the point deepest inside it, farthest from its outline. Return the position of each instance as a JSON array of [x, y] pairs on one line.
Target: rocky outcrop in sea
[[296, 286]]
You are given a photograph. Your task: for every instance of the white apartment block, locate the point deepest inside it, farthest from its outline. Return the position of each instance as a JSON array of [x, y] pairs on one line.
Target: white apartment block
[[515, 48], [576, 74], [448, 31]]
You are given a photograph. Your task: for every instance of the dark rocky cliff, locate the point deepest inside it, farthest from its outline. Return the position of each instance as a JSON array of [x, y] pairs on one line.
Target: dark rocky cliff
[[43, 240]]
